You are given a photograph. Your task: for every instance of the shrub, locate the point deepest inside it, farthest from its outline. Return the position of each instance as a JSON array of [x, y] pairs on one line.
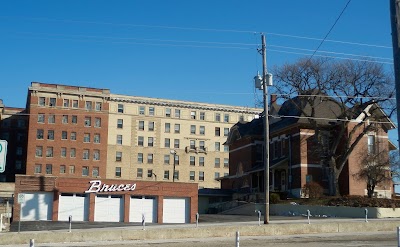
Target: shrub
[[274, 198], [313, 190]]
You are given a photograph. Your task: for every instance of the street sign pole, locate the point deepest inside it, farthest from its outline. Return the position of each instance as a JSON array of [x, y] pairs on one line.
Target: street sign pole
[[21, 199]]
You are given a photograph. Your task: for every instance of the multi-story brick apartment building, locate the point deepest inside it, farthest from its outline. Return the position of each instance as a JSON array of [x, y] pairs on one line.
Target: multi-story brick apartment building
[[296, 151]]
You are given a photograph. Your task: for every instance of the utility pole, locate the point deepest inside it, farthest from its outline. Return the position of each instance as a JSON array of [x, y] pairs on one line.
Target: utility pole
[[395, 20]]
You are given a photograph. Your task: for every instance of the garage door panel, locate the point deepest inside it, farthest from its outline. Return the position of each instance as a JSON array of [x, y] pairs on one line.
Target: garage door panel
[[109, 208], [76, 205], [176, 210], [146, 206], [37, 206]]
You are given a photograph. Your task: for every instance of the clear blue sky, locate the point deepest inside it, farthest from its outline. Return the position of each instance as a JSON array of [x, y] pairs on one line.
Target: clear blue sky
[[191, 50]]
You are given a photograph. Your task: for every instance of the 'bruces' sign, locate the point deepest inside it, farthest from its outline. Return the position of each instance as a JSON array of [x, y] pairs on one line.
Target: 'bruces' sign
[[98, 186]]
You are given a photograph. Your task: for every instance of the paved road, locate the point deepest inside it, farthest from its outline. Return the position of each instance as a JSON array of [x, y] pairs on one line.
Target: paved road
[[381, 239]]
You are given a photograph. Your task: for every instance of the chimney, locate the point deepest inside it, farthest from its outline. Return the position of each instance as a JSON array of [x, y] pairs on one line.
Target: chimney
[[273, 99]]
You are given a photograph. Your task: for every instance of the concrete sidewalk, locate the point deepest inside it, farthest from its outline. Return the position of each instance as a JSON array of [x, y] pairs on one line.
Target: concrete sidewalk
[[206, 230]]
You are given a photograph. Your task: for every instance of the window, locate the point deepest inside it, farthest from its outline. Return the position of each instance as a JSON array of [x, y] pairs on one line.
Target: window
[[65, 119], [96, 138], [371, 144], [168, 112], [50, 135], [62, 169], [226, 174], [72, 169], [52, 102], [98, 106], [42, 101], [151, 111], [149, 173], [97, 122], [64, 135], [139, 173], [20, 123], [120, 123], [49, 169], [142, 110], [88, 121], [95, 171], [192, 161], [96, 154], [177, 128], [176, 175], [85, 154], [192, 144], [193, 114], [140, 141], [40, 118], [216, 175], [74, 119], [192, 175], [119, 139], [226, 131], [141, 125], [202, 145], [167, 127], [176, 161], [140, 158], [72, 153], [241, 118], [216, 163], [151, 126], [88, 105], [39, 134], [201, 176], [75, 103], [166, 175], [38, 168], [192, 129], [202, 115], [66, 102], [202, 130], [217, 117], [118, 172], [166, 159], [51, 119], [150, 141], [63, 152], [20, 137], [176, 143], [120, 108], [19, 151], [217, 146], [49, 152], [118, 156], [201, 161], [177, 113], [226, 118], [226, 162], [39, 151], [167, 143], [217, 131], [73, 136], [85, 171], [150, 158], [226, 148]]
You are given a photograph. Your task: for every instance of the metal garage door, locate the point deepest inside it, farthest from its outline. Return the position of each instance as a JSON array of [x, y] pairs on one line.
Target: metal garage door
[[109, 208], [37, 206], [176, 210], [143, 205], [76, 205]]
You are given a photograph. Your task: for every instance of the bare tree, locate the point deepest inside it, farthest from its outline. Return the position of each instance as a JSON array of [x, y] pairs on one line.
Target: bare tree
[[329, 93]]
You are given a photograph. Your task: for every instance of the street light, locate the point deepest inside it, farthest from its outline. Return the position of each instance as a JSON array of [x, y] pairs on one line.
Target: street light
[[173, 173]]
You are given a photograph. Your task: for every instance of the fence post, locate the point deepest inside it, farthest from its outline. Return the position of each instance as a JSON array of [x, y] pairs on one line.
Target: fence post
[[70, 222], [366, 215], [143, 221], [197, 219], [308, 216], [32, 243], [237, 239]]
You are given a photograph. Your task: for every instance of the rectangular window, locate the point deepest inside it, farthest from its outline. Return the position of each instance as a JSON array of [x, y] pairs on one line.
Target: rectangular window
[[72, 153], [63, 152], [167, 143], [151, 126], [150, 158], [40, 118], [166, 175], [97, 122], [177, 128], [168, 112], [88, 121], [85, 171], [192, 144], [72, 169], [217, 131], [202, 115], [177, 113], [42, 101], [142, 110], [217, 163], [73, 136], [192, 174], [75, 103], [193, 114], [192, 129], [167, 127], [62, 169], [52, 102], [176, 160], [226, 162], [217, 117], [74, 119], [21, 123], [120, 108], [118, 156], [96, 138], [95, 171], [217, 146], [86, 137], [216, 175], [226, 131], [166, 159], [139, 173], [50, 135], [176, 143], [202, 130], [119, 139], [226, 118], [371, 144], [151, 111], [120, 123], [65, 119], [202, 145], [49, 169], [85, 154], [88, 105], [51, 119], [150, 141], [39, 134], [141, 125], [140, 141], [39, 151], [38, 168], [201, 161], [96, 154], [140, 158], [192, 161], [226, 148], [201, 176], [176, 175], [149, 173], [98, 106], [19, 151], [49, 152], [117, 172]]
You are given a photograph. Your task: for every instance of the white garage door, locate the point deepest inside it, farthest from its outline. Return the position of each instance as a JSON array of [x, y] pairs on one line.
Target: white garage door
[[143, 205], [109, 208], [176, 210], [76, 205], [37, 206]]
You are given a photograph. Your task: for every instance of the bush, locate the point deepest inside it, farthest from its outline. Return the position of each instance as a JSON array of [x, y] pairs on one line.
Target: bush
[[274, 198], [313, 190]]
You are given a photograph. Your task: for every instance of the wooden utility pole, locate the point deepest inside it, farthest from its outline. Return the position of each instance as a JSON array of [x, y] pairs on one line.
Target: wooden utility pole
[[395, 20]]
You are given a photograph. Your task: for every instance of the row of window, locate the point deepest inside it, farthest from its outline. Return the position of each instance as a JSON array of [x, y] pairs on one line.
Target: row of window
[[70, 103], [51, 119], [167, 159], [87, 137], [150, 174], [63, 153], [63, 170], [8, 122]]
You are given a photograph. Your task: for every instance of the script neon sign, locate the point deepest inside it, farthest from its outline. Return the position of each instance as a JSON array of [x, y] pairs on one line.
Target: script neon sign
[[98, 186]]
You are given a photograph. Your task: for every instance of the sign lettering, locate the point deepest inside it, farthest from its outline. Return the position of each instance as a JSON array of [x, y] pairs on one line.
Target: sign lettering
[[97, 186]]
